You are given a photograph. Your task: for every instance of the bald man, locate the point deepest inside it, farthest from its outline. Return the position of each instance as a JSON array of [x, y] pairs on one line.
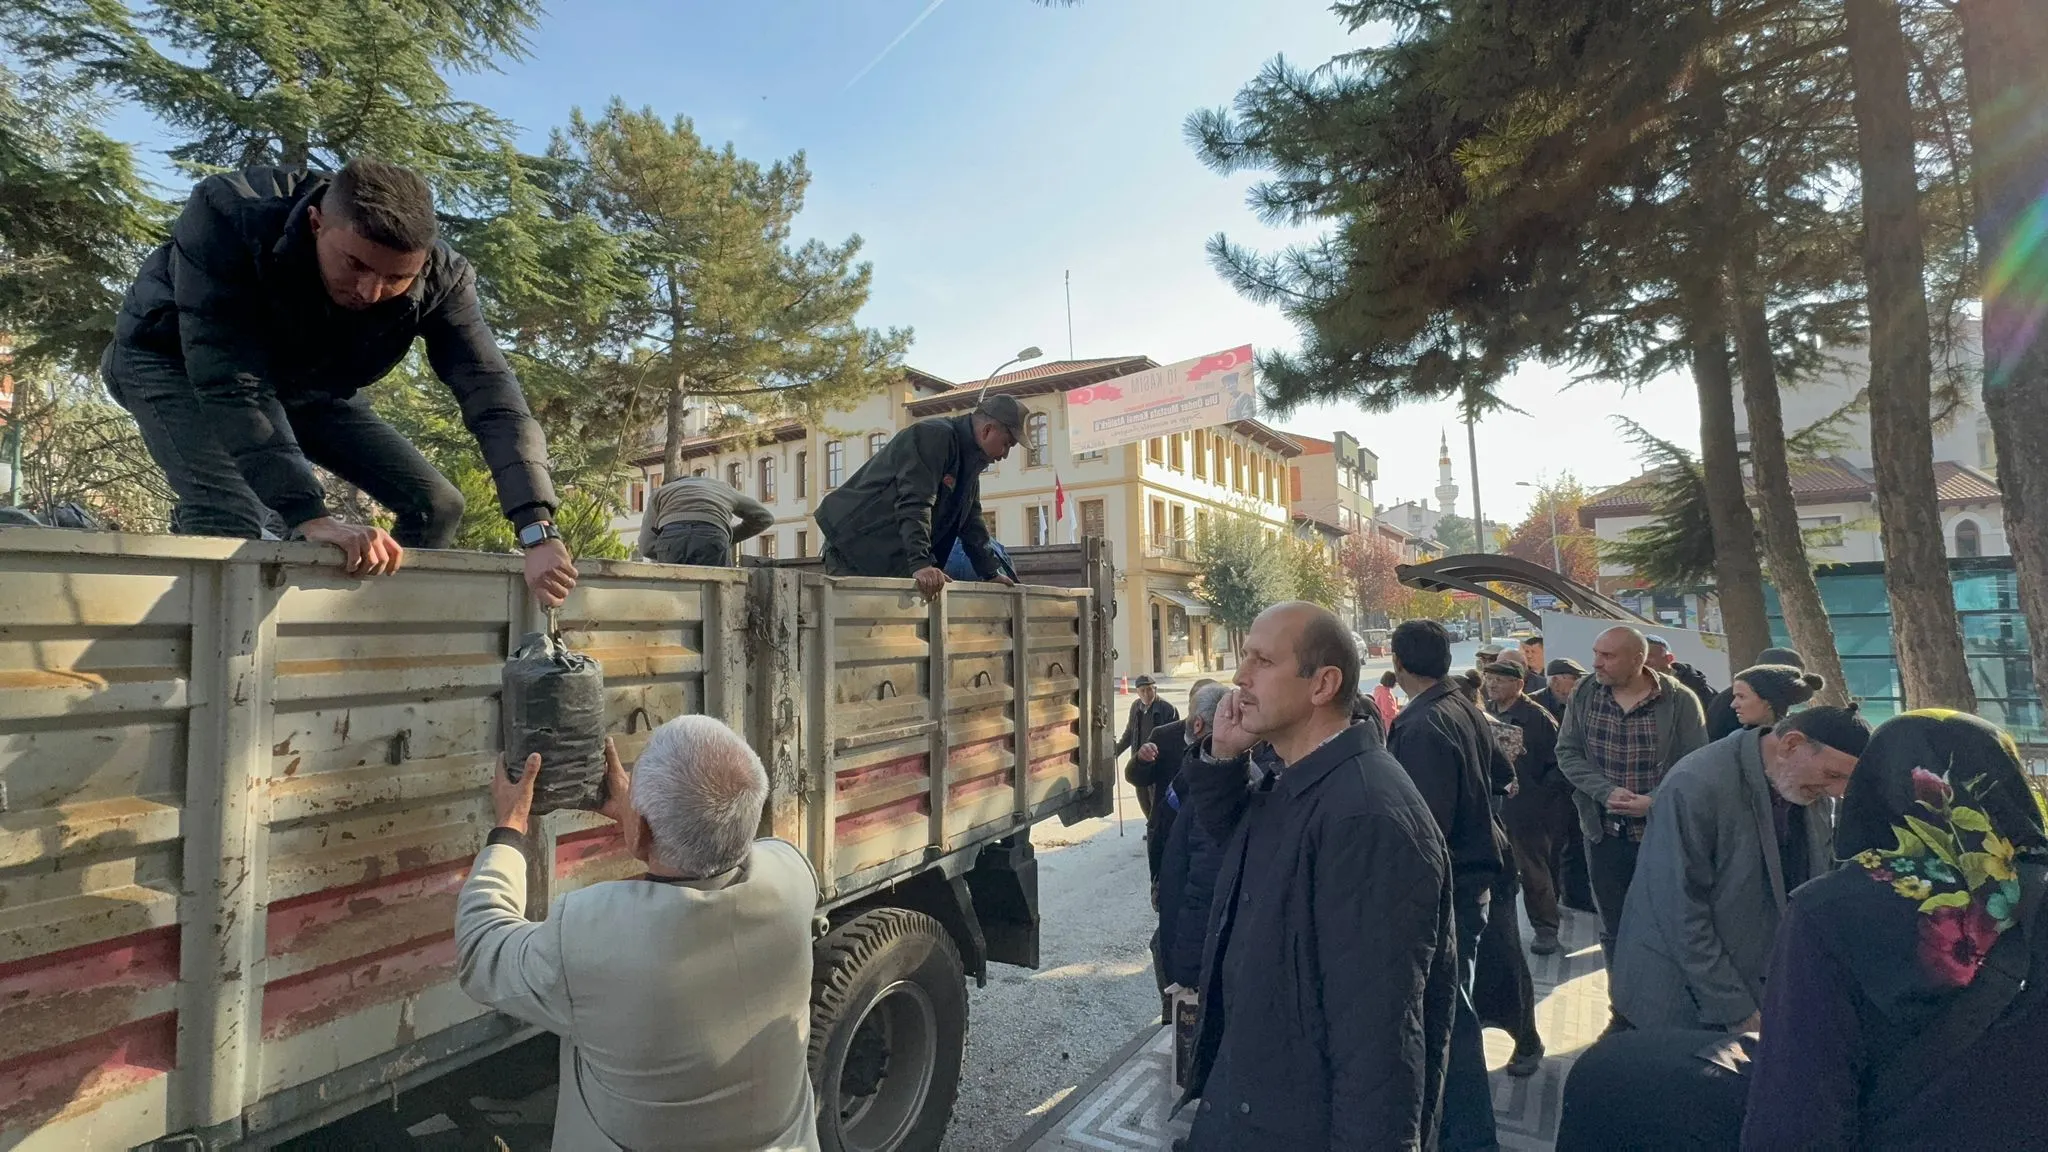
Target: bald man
[[1619, 737]]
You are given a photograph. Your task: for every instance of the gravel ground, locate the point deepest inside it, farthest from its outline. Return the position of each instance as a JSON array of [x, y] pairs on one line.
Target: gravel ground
[[1034, 1036]]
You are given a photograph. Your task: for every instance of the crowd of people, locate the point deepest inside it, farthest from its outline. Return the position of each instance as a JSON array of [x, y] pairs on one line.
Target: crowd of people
[[1815, 936]]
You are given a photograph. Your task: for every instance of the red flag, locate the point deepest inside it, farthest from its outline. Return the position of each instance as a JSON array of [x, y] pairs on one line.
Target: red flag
[[1059, 499]]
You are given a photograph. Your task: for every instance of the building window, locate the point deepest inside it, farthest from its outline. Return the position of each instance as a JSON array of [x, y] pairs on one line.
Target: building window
[[1035, 442], [988, 521], [636, 496], [697, 475], [1095, 455], [1180, 524], [768, 545], [1821, 531], [875, 442], [803, 543], [734, 473], [1969, 540], [1176, 453], [767, 479], [803, 477], [1201, 455], [835, 464], [1038, 525], [1155, 450], [1091, 518]]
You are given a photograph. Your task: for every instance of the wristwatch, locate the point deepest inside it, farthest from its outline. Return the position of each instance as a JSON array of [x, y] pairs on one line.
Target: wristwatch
[[537, 533]]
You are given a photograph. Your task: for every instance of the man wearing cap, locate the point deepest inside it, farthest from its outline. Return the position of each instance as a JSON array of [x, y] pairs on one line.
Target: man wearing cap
[[1563, 675], [1148, 714], [901, 513], [1737, 825]]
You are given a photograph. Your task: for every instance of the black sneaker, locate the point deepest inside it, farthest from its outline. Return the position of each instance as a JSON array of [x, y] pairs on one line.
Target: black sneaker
[[1545, 943]]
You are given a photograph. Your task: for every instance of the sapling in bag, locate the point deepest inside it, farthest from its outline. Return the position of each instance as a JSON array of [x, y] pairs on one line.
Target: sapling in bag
[[554, 705]]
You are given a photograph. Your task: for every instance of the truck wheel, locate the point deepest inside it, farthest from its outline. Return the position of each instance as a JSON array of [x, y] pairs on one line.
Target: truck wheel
[[888, 1024]]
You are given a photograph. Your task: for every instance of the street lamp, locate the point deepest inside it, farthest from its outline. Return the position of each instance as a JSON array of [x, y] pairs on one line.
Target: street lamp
[[1031, 353], [1556, 562]]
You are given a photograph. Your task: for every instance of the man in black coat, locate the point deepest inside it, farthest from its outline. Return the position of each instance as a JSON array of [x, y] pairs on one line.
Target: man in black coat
[[1148, 714], [1444, 743], [1329, 976], [1663, 659], [245, 343], [1157, 761], [1539, 814], [901, 513], [1184, 856]]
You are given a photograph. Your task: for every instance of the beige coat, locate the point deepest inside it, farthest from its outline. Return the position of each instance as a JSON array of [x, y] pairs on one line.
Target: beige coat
[[684, 1008]]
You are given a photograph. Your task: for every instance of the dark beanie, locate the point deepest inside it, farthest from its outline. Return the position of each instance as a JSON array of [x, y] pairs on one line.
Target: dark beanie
[[1782, 686], [1789, 656], [1843, 729]]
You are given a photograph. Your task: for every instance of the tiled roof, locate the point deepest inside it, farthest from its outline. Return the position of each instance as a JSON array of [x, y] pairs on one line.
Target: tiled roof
[[779, 430], [1313, 446], [1056, 376], [1828, 481], [1961, 484]]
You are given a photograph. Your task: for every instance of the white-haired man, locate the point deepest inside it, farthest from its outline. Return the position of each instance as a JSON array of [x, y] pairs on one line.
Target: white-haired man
[[682, 997]]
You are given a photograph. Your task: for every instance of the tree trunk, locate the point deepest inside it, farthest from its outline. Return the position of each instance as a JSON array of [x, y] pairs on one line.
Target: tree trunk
[[1925, 635], [672, 446], [1738, 578], [2005, 43], [1784, 548]]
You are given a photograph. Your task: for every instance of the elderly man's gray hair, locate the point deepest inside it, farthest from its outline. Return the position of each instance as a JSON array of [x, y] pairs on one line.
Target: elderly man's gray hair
[[1202, 705], [701, 789]]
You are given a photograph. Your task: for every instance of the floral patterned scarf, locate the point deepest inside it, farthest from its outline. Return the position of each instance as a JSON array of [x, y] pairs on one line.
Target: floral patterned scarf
[[1937, 819]]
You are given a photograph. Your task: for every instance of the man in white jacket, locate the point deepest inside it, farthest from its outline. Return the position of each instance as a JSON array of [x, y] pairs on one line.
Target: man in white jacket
[[682, 997]]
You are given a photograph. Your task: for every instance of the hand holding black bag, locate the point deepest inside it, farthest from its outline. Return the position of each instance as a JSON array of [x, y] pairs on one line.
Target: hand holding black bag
[[553, 704]]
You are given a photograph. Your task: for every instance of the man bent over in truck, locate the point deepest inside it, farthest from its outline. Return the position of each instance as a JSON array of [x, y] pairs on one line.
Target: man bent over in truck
[[243, 347], [900, 514]]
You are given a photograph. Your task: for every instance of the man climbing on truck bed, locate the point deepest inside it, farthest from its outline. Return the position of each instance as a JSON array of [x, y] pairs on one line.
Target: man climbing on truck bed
[[243, 347], [901, 512]]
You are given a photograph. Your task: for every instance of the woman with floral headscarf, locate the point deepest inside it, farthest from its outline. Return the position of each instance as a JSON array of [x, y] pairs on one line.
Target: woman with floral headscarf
[[1899, 1013]]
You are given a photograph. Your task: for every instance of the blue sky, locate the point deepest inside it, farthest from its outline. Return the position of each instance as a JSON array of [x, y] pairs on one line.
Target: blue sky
[[999, 145]]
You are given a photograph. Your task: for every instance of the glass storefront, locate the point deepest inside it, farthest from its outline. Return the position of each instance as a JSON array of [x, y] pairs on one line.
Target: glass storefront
[[1994, 639]]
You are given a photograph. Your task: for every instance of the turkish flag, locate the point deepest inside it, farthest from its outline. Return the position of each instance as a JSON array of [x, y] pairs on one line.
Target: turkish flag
[[1059, 499]]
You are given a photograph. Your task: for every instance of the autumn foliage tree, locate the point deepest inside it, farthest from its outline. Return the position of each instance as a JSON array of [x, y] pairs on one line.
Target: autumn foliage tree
[[1368, 562], [1577, 554]]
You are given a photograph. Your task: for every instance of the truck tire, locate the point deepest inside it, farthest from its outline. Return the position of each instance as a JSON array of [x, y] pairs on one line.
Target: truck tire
[[888, 1025]]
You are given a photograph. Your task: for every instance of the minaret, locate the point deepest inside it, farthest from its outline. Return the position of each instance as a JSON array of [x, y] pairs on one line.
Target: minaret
[[1446, 488]]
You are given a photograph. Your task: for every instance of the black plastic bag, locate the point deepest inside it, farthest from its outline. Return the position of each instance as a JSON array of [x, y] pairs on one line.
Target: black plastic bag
[[554, 705]]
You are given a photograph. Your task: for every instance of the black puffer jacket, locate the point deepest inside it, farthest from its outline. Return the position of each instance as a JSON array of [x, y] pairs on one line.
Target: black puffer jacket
[[236, 294]]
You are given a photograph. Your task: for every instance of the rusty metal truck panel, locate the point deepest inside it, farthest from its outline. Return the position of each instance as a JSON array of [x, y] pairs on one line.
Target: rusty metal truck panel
[[239, 792]]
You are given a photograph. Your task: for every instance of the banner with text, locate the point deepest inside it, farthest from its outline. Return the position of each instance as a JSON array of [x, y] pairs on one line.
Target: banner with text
[[1199, 393]]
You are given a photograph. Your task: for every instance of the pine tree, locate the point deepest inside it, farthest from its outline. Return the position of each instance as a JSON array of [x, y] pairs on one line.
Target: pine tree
[[730, 309], [247, 82], [2005, 44], [1925, 633], [75, 220]]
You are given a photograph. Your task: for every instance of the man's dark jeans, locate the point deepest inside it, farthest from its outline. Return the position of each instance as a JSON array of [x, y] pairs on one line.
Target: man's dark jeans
[[1468, 1096], [343, 436], [1611, 861], [694, 543]]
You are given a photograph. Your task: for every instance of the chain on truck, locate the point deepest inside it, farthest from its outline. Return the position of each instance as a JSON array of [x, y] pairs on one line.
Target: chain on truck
[[241, 792]]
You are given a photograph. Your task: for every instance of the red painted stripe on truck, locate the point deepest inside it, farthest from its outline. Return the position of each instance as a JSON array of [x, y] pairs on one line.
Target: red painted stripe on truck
[[324, 920], [63, 998], [325, 995], [81, 1076]]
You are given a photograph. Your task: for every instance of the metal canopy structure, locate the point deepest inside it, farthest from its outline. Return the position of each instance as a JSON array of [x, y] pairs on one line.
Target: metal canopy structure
[[1471, 572]]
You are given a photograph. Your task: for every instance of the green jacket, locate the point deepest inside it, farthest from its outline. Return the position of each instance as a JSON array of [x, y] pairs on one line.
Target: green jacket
[[1681, 728], [906, 506]]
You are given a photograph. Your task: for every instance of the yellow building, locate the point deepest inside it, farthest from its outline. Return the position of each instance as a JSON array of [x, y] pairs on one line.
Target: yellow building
[[1149, 500]]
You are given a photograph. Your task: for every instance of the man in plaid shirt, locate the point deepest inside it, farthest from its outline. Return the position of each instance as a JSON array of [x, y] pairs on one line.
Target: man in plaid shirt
[[1619, 737]]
